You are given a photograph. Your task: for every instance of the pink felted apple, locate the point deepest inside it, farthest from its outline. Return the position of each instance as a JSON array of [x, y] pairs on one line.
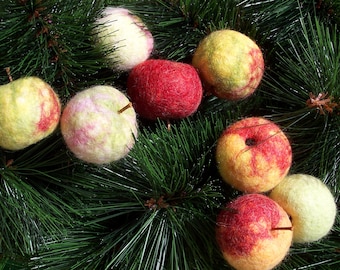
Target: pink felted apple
[[99, 125]]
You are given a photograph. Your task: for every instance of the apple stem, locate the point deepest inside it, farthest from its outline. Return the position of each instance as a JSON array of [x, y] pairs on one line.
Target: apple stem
[[8, 71], [125, 107], [282, 229]]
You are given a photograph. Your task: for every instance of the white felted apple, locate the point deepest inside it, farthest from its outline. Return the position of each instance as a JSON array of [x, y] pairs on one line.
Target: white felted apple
[[310, 204], [124, 37], [99, 125]]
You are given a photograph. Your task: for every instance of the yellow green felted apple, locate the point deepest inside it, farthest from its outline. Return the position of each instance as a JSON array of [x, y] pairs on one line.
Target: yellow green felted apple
[[99, 125], [29, 112], [310, 205], [253, 155], [124, 37], [230, 64], [253, 233]]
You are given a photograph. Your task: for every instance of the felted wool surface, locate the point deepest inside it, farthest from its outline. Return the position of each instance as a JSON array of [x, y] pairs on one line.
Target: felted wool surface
[[164, 89], [30, 111], [253, 155], [124, 37], [310, 204], [230, 64], [247, 233], [93, 127]]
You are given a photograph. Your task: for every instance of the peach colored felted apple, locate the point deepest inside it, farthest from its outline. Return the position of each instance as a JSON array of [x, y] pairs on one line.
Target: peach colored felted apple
[[253, 233], [253, 155], [230, 64], [124, 38], [98, 125], [29, 112], [310, 204]]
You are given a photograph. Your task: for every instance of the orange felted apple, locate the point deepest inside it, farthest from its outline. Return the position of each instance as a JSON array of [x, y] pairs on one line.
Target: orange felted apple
[[253, 233], [29, 112], [253, 155]]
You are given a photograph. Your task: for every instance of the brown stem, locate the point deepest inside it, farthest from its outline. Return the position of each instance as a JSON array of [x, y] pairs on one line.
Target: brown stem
[[282, 229], [125, 107], [8, 71]]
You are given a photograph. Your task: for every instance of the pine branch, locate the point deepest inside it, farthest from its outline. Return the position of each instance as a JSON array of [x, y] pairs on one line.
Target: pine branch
[[155, 207], [31, 203], [52, 40]]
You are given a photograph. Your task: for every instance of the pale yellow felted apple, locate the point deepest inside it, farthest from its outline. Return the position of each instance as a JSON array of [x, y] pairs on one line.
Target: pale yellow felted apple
[[230, 64], [310, 204], [99, 125], [29, 112], [253, 155], [253, 233], [124, 37]]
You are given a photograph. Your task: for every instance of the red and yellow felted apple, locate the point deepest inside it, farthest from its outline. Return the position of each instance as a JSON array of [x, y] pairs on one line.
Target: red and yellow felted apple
[[29, 112], [253, 155], [253, 233], [230, 64]]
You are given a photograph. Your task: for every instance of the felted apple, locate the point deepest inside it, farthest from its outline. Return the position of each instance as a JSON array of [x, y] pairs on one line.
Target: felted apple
[[253, 155], [124, 37], [309, 203], [98, 125], [230, 64], [164, 89], [253, 233], [29, 112]]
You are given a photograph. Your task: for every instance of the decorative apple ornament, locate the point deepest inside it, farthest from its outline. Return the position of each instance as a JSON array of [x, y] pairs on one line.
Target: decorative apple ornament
[[99, 125], [164, 89], [230, 64], [310, 205], [124, 37], [253, 155], [253, 233], [30, 111]]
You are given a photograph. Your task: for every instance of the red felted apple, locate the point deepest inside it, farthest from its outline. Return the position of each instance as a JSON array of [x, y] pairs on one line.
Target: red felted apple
[[164, 89], [253, 155], [253, 233]]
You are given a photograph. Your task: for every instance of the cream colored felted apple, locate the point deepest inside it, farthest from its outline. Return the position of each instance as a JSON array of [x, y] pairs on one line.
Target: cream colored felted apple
[[253, 233], [29, 112], [253, 155], [124, 37], [310, 204], [230, 64], [99, 125]]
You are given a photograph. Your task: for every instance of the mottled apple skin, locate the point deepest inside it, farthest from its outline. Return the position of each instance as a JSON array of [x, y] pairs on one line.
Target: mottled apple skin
[[253, 233], [124, 37], [253, 155], [94, 127], [230, 64], [30, 111]]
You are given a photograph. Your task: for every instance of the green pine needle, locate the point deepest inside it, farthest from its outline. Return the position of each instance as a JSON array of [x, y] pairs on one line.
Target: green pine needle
[[157, 206]]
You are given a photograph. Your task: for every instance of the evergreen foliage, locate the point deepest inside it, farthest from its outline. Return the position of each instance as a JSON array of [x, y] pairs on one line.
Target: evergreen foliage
[[156, 208]]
